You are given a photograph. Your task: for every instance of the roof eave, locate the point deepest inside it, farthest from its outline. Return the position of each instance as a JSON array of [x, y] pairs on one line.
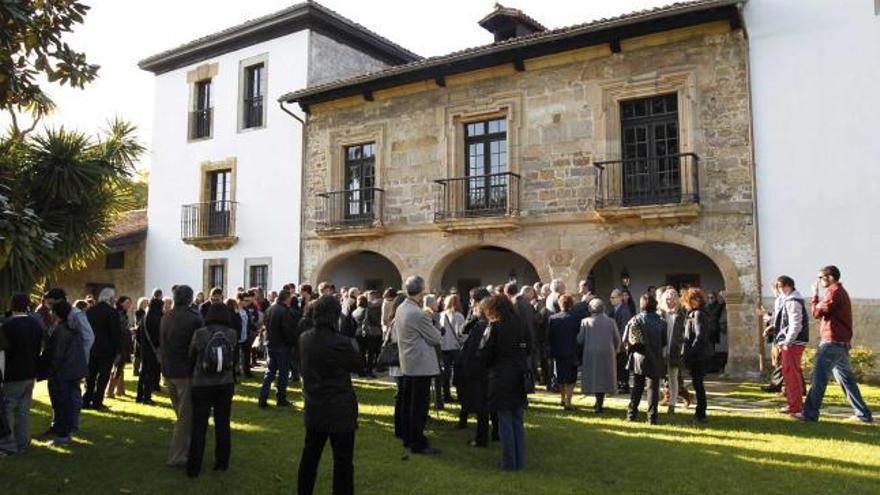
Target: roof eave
[[528, 47], [302, 16]]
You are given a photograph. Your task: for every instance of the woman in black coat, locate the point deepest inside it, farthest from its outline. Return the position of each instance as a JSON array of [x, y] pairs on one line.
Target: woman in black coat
[[562, 332], [148, 341], [327, 359], [506, 349], [471, 377], [698, 349]]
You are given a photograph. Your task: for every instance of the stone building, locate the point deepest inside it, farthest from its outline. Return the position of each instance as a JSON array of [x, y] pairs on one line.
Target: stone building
[[121, 267], [613, 151]]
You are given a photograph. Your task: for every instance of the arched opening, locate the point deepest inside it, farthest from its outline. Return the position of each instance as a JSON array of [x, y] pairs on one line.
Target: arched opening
[[486, 266], [652, 264], [366, 270]]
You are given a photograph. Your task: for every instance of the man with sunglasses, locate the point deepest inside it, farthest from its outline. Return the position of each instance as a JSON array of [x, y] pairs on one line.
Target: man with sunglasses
[[835, 314]]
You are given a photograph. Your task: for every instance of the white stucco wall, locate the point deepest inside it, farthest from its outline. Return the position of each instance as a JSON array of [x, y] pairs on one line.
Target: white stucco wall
[[815, 75], [268, 169]]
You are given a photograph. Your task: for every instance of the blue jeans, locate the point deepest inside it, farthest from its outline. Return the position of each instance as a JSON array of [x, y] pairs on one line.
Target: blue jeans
[[17, 409], [834, 358], [513, 439], [278, 365], [63, 394]]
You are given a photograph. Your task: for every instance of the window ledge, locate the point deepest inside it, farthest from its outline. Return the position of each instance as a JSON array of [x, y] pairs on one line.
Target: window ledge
[[212, 243], [375, 229], [668, 214], [507, 222]]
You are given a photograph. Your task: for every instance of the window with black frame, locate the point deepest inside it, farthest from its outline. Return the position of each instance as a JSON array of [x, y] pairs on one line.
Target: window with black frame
[[486, 160], [258, 276], [253, 95], [650, 142], [360, 181], [219, 202], [201, 115]]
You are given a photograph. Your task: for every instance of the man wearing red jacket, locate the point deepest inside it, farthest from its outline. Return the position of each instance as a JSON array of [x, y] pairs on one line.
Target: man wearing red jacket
[[835, 314]]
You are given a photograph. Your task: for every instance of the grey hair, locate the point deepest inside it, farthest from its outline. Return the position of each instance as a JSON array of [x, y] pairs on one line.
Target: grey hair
[[526, 290], [616, 293], [414, 285], [430, 301], [106, 295], [556, 284], [597, 306]]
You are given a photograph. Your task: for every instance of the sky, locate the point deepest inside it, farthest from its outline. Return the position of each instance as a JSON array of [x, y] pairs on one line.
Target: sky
[[118, 33]]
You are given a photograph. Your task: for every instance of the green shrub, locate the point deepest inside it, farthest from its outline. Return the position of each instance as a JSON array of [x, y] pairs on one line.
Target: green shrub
[[862, 359]]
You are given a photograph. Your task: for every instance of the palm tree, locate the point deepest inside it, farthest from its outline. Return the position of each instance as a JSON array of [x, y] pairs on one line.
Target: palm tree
[[61, 192]]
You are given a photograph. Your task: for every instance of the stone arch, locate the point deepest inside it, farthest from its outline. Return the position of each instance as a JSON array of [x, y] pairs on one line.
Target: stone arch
[[441, 262], [729, 272], [334, 257]]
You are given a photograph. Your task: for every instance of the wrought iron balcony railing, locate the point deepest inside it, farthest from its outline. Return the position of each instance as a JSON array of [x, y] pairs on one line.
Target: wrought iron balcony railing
[[253, 112], [209, 220], [670, 179], [200, 123], [490, 195], [350, 208]]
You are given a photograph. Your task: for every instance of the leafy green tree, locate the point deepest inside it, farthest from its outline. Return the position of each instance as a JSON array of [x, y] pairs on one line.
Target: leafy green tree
[[69, 188], [32, 47]]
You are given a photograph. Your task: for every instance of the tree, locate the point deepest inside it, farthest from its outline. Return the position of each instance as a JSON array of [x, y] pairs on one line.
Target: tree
[[31, 47], [61, 192]]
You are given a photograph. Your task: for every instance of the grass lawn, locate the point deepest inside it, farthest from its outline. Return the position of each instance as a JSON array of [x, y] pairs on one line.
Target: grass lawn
[[747, 452]]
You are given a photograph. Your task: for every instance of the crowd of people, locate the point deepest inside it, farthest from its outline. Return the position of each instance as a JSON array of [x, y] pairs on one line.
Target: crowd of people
[[492, 347]]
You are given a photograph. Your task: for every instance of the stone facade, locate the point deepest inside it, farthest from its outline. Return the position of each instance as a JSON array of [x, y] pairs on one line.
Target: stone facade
[[562, 115], [128, 281]]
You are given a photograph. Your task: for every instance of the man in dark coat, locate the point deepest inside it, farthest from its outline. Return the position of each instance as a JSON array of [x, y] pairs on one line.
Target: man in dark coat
[[327, 360], [175, 335], [621, 314], [645, 338], [105, 324], [281, 337]]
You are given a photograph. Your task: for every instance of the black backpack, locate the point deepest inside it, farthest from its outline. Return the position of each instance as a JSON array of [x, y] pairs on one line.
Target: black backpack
[[217, 354]]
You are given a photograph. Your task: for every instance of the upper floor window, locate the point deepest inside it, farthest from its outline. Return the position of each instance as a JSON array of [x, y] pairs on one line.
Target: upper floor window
[[200, 116], [254, 80], [486, 159], [650, 141], [114, 261], [360, 180]]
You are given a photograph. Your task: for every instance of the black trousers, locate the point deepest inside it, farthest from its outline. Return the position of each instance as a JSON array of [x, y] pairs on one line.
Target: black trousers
[[245, 358], [414, 413], [446, 373], [369, 347], [343, 462], [698, 373], [204, 399], [149, 375], [96, 384], [635, 397], [398, 408], [622, 372]]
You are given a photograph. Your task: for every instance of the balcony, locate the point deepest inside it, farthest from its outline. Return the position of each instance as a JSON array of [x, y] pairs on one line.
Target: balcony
[[477, 202], [656, 191], [200, 123], [209, 226], [350, 213]]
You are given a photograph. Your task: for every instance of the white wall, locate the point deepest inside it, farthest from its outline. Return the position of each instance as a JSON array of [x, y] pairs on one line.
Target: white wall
[[815, 75], [268, 169], [491, 267]]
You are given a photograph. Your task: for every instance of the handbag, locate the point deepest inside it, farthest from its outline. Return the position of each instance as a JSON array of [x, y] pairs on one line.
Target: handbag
[[389, 355]]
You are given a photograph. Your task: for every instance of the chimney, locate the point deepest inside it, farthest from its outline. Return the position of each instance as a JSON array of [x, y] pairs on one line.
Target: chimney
[[506, 23]]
